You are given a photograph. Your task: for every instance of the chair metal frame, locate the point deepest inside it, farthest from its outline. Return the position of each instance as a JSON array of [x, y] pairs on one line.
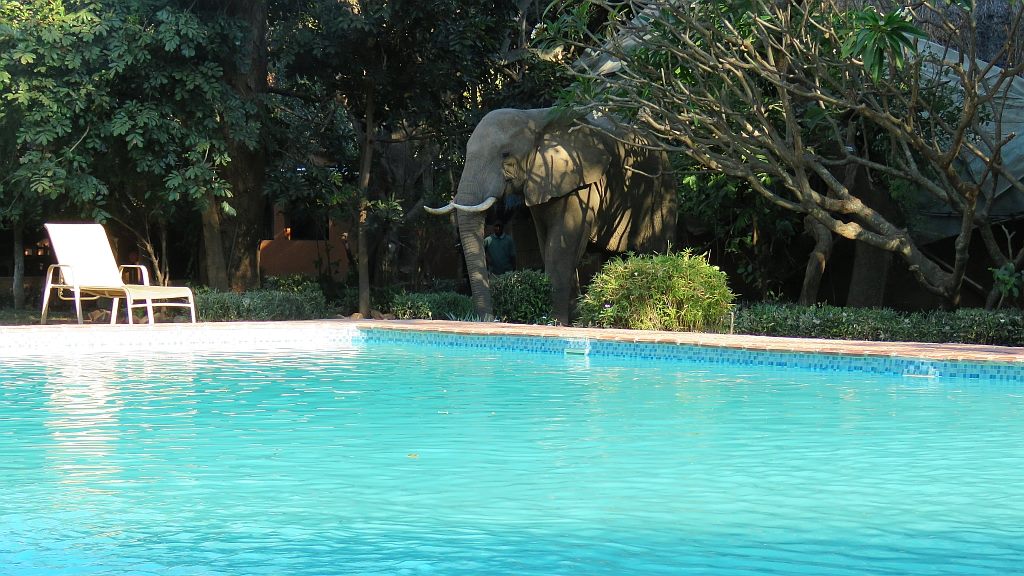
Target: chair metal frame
[[62, 279]]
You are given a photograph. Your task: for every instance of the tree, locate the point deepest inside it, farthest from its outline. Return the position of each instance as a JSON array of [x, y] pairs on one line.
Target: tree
[[140, 111], [235, 239], [799, 98], [403, 67], [46, 89], [121, 113]]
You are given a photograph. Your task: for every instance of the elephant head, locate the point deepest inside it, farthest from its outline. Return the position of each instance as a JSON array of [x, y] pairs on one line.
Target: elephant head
[[530, 152]]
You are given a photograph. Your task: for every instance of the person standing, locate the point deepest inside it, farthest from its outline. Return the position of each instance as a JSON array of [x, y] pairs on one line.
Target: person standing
[[500, 250]]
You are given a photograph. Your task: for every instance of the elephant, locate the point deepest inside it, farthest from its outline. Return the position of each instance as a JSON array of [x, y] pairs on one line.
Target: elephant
[[583, 180]]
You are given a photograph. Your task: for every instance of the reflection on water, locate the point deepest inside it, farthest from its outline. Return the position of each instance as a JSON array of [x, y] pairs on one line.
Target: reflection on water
[[389, 460], [85, 399], [84, 404]]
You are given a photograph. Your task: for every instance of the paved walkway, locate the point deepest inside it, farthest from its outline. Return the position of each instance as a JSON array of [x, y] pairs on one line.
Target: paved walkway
[[962, 352]]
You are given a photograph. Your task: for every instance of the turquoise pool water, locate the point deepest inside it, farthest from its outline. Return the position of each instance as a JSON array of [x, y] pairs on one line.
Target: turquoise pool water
[[418, 460]]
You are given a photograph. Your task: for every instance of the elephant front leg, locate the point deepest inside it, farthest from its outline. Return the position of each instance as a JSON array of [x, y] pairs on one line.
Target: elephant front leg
[[563, 229], [563, 289]]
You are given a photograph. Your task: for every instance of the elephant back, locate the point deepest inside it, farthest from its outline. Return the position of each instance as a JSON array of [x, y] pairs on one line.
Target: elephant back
[[638, 205]]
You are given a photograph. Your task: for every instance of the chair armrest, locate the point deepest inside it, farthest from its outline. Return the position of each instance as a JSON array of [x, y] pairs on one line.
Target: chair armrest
[[70, 271], [143, 271]]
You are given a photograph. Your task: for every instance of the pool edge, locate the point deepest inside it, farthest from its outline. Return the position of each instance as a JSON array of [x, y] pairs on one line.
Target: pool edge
[[911, 350], [62, 337]]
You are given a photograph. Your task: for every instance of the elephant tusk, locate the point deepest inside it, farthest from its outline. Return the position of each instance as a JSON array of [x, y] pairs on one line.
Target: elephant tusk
[[441, 210], [481, 207]]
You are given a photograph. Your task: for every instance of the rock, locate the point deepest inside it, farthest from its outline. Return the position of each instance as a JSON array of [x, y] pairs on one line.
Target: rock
[[356, 316], [376, 315], [99, 315], [389, 317]]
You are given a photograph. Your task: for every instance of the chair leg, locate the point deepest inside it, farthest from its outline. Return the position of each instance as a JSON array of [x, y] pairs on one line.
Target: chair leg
[[192, 307], [128, 302], [149, 310], [78, 305], [46, 302], [113, 311]]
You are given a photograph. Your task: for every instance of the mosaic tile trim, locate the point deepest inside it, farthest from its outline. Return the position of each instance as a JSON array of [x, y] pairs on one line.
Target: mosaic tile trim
[[894, 366], [317, 335]]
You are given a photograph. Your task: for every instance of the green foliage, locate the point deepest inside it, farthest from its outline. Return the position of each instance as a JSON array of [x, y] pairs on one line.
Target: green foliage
[[417, 59], [880, 40], [1008, 280], [304, 304], [967, 326], [737, 223], [820, 322], [116, 92], [677, 292], [346, 299], [431, 306], [291, 283], [522, 297]]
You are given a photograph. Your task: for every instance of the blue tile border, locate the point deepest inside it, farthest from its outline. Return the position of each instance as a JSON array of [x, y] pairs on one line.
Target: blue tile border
[[319, 335], [714, 355]]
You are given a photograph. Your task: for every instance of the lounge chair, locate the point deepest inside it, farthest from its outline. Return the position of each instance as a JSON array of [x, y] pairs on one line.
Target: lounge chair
[[86, 270]]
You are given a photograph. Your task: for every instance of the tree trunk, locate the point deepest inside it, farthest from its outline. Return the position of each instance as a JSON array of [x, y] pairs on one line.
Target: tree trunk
[[159, 278], [165, 265], [870, 264], [216, 267], [365, 164], [241, 234], [816, 261], [870, 274], [18, 282]]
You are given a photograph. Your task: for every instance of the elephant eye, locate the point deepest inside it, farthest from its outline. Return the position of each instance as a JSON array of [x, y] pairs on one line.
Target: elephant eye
[[505, 155]]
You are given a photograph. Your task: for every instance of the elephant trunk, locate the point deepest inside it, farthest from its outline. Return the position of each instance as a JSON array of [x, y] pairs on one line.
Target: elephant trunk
[[471, 232]]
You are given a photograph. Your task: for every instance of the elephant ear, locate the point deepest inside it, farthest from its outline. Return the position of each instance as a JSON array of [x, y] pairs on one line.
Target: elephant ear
[[566, 160]]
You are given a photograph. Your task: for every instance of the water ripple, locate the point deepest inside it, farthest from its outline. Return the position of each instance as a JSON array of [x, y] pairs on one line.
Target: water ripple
[[392, 461]]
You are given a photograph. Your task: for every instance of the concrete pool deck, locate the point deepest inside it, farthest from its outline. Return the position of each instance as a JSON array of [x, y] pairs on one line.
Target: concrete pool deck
[[92, 337]]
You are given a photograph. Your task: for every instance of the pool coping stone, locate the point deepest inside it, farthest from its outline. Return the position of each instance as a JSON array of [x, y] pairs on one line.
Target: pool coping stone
[[60, 337], [917, 350]]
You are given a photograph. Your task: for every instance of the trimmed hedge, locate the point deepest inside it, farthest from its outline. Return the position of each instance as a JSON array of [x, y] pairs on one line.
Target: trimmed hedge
[[522, 297], [305, 304], [965, 326], [431, 306]]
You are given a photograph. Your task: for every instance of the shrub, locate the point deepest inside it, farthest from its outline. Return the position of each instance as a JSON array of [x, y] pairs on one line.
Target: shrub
[[346, 299], [522, 296], [431, 305], [291, 283], [820, 322], [263, 304], [967, 326], [678, 291]]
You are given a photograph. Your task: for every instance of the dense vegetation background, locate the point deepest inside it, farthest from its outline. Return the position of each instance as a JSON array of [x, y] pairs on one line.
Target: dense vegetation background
[[810, 138]]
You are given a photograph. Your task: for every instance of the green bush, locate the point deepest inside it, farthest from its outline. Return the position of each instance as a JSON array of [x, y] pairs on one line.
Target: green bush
[[291, 283], [346, 299], [966, 326], [307, 303], [677, 291], [431, 305], [522, 297]]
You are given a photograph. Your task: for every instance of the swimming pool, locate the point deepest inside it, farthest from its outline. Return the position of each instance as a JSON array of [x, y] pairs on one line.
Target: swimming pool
[[406, 457]]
